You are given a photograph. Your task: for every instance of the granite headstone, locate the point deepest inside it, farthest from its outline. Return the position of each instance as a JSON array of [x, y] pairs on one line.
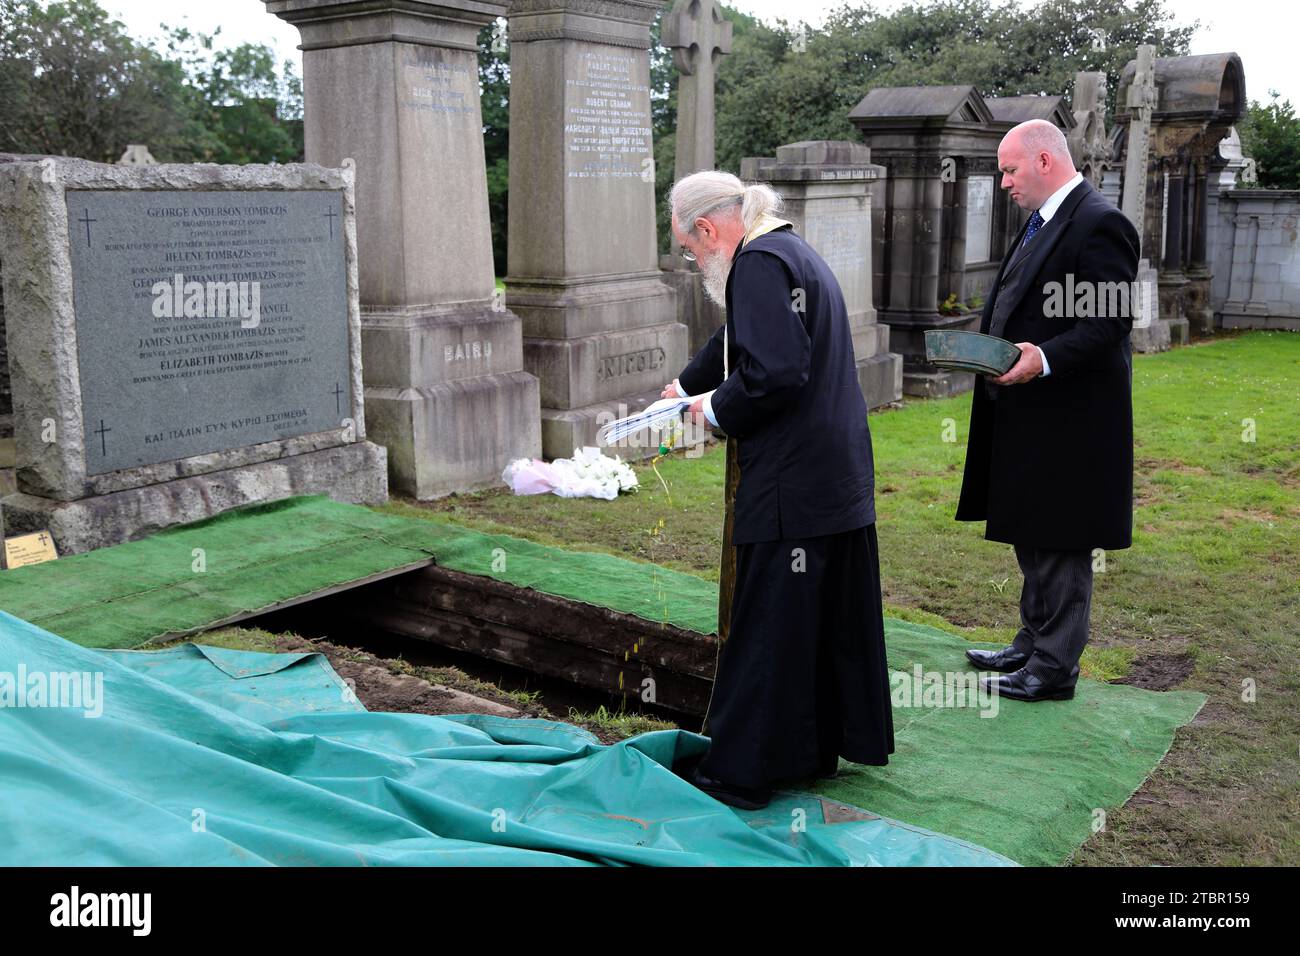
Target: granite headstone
[[183, 340]]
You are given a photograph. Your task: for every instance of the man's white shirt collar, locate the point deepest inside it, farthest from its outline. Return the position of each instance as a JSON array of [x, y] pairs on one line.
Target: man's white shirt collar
[[1048, 209]]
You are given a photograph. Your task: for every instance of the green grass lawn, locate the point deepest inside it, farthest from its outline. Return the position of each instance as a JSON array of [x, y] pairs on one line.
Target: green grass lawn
[[1210, 587]]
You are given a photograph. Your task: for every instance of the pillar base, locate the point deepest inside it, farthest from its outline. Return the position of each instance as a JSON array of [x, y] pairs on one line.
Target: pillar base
[[1151, 338], [936, 384], [457, 436], [565, 429], [881, 379]]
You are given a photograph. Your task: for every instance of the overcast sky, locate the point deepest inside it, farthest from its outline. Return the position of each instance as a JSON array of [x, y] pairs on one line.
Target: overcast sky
[[1263, 33]]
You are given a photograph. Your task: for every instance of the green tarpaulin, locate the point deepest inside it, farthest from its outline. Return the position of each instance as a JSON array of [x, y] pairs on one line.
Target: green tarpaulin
[[217, 757], [1028, 783]]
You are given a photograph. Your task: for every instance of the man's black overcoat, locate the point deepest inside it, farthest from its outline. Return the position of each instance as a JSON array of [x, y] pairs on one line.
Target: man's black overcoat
[[1049, 462]]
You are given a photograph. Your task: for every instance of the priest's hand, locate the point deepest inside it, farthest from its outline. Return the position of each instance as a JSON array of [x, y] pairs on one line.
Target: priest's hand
[[670, 390], [1029, 365]]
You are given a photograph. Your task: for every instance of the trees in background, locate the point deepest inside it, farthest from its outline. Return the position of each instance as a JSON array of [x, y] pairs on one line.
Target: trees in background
[[788, 83], [72, 82], [1270, 135]]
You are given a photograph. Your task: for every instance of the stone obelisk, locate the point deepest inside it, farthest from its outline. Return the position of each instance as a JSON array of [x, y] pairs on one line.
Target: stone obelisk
[[394, 84], [600, 325]]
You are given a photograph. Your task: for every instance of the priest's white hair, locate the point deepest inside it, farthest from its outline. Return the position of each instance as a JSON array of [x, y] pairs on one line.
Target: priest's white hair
[[1040, 136], [702, 193]]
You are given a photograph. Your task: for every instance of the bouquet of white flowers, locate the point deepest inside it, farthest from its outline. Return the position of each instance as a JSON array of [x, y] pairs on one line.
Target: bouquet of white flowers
[[589, 473]]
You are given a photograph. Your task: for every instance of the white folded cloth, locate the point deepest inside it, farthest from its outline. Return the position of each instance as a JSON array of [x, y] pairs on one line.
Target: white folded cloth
[[588, 474]]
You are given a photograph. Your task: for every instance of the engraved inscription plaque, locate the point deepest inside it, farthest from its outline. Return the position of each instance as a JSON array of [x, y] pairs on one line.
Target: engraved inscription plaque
[[207, 320], [979, 218], [607, 130]]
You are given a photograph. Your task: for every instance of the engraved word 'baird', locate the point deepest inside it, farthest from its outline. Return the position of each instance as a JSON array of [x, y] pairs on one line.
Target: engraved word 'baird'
[[463, 350]]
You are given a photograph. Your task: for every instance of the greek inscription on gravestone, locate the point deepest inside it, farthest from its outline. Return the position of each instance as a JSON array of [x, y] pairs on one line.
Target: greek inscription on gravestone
[[175, 367]]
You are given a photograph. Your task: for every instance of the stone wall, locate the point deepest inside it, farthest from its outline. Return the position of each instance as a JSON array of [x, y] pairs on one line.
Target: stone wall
[[1256, 259]]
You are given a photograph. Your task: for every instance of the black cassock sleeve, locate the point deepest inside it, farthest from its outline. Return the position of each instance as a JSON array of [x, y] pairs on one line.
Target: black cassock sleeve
[[705, 370], [774, 353]]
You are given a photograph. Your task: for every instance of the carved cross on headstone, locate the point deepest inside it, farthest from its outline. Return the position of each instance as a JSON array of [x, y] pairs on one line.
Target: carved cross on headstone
[[101, 431], [86, 221], [1141, 102], [698, 36]]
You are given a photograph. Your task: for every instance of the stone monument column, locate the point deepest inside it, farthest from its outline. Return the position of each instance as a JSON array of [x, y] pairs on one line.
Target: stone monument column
[[1173, 258], [1173, 281], [1199, 98], [699, 37], [1201, 194], [1140, 102], [825, 185], [1150, 333], [394, 84], [1200, 313], [600, 325]]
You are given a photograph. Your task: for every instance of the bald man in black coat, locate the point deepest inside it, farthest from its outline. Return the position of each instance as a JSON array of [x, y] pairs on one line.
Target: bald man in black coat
[[1049, 460]]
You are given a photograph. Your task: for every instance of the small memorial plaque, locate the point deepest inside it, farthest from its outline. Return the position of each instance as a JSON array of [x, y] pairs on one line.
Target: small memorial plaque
[[29, 549], [207, 320]]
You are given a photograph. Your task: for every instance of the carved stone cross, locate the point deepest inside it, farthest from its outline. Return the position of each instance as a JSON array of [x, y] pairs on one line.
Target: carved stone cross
[[1141, 103], [698, 36]]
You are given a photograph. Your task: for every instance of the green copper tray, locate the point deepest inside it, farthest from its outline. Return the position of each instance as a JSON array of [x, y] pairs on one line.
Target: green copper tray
[[970, 351]]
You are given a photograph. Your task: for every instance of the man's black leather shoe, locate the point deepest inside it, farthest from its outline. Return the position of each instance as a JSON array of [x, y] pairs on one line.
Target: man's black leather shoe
[[746, 798], [1008, 659], [1026, 686]]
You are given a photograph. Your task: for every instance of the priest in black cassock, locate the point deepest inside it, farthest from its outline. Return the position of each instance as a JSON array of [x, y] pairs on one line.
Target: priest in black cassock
[[802, 679]]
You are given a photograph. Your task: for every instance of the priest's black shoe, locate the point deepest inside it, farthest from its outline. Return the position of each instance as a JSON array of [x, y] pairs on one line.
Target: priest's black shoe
[[826, 769], [1024, 685], [1008, 659], [746, 798]]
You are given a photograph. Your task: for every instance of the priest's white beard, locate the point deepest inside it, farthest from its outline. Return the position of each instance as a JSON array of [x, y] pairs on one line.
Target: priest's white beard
[[715, 271]]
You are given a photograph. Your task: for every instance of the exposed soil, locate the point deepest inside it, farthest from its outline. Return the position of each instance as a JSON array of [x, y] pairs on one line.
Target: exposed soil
[[386, 684], [380, 688], [1159, 671]]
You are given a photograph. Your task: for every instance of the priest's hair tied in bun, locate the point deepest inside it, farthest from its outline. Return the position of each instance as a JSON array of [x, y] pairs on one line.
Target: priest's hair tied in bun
[[702, 193]]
